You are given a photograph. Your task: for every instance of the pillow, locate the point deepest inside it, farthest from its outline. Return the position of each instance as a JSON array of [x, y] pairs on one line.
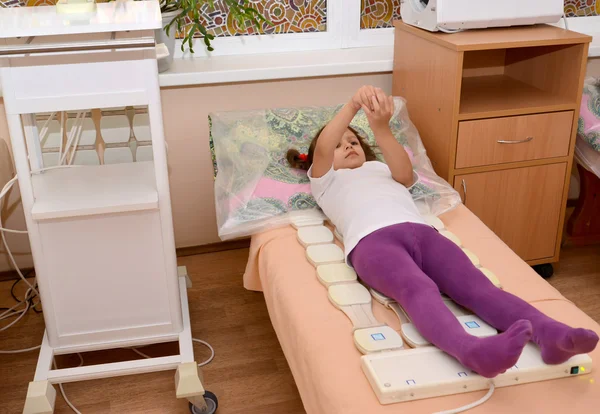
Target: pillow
[[255, 187], [589, 119]]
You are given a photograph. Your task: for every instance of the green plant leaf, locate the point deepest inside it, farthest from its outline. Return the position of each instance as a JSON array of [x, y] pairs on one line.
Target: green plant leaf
[[241, 10]]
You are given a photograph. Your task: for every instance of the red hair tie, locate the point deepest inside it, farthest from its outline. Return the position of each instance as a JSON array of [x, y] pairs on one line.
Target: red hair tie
[[303, 157]]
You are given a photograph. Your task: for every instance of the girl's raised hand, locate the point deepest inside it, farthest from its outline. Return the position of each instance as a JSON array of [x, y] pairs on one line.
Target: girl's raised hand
[[364, 97], [380, 111]]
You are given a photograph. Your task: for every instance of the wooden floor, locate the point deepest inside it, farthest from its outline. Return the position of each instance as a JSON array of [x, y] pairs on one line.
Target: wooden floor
[[249, 373]]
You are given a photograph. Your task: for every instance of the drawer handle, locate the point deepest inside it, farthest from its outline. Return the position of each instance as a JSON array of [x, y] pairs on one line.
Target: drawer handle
[[520, 141], [464, 186]]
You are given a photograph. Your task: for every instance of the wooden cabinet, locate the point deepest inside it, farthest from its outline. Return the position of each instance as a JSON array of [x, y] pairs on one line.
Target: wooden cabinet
[[497, 110], [517, 204]]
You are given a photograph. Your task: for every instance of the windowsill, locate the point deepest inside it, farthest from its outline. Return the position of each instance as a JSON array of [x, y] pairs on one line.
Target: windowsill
[[244, 68], [595, 46], [288, 65]]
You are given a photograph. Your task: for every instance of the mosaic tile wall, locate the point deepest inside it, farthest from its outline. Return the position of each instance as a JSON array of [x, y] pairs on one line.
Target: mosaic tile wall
[[379, 13], [575, 8], [287, 16]]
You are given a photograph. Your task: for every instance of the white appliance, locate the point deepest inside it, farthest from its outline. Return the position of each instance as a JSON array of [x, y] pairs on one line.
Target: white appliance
[[454, 15]]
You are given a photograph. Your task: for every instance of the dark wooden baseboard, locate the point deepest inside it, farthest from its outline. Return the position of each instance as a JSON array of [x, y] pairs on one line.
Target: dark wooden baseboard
[[12, 275], [214, 247]]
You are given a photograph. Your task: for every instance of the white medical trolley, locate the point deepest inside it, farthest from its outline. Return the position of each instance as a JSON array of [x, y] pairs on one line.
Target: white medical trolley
[[101, 235]]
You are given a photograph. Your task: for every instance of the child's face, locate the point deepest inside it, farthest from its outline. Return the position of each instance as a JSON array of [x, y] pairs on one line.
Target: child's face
[[348, 153]]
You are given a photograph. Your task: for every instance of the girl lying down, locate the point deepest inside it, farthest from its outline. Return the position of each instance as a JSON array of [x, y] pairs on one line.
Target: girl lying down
[[394, 251]]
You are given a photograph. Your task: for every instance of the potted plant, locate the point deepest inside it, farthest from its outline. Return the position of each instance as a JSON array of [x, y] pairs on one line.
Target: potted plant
[[183, 16]]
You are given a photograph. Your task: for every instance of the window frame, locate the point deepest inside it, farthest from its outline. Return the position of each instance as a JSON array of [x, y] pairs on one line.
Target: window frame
[[343, 32]]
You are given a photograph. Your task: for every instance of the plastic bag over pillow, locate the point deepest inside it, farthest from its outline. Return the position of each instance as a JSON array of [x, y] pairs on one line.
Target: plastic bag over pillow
[[257, 190]]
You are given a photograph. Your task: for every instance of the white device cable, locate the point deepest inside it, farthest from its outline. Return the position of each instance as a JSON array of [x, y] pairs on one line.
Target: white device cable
[[62, 132], [3, 193], [10, 310], [565, 20], [11, 257], [45, 127], [200, 341], [7, 187], [472, 405], [72, 135], [19, 351], [23, 312], [78, 137], [62, 390], [442, 29], [212, 352]]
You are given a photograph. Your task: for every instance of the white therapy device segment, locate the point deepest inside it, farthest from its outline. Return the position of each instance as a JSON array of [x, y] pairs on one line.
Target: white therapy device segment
[[344, 291], [305, 221], [323, 254], [355, 301], [332, 274], [377, 339], [314, 235]]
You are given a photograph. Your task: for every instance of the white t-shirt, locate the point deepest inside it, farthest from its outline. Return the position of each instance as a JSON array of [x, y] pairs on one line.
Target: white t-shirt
[[362, 200]]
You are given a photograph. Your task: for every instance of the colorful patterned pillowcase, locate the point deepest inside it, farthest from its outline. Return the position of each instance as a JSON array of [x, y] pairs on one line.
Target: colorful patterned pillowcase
[[589, 119], [254, 183]]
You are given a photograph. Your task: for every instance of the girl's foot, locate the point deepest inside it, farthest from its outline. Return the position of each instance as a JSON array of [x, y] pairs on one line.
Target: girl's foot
[[494, 355], [562, 342]]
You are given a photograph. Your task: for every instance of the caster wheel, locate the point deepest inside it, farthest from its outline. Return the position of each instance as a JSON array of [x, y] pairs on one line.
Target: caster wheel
[[212, 403], [544, 270]]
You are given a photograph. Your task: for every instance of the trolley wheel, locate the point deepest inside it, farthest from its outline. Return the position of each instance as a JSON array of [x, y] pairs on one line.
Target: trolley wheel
[[212, 403], [545, 270]]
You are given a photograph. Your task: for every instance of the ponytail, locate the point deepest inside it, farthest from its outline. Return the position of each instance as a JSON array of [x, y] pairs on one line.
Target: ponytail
[[297, 160]]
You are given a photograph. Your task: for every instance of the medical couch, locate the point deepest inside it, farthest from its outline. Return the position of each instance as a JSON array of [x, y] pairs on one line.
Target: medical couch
[[316, 338]]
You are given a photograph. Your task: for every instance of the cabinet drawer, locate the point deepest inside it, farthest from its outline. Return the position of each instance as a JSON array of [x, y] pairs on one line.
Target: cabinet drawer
[[511, 139], [521, 205]]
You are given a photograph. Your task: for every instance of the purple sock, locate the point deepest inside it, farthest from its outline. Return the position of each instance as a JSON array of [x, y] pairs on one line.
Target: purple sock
[[559, 342], [494, 355]]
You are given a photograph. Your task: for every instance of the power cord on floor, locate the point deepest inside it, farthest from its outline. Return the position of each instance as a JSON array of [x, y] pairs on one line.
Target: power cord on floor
[[472, 405]]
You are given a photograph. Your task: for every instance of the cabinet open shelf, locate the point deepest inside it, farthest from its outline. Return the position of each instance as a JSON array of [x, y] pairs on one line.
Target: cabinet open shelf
[[519, 80], [501, 95], [90, 190]]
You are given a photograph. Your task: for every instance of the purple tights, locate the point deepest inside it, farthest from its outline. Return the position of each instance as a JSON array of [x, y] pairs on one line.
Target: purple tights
[[412, 263]]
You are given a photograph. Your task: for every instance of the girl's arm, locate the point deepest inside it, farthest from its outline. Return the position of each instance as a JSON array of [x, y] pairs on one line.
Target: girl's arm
[[331, 134], [393, 152]]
